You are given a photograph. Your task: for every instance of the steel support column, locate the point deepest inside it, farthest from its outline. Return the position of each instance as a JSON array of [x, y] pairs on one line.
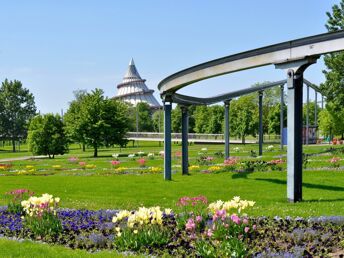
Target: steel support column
[[185, 140], [282, 115], [316, 113], [167, 141], [227, 128], [294, 154], [260, 123], [307, 118]]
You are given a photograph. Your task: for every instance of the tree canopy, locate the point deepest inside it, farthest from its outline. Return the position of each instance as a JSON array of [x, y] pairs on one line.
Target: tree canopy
[[47, 136], [17, 107], [98, 121]]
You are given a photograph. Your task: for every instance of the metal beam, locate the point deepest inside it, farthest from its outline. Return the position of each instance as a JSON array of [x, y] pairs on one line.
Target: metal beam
[[261, 123], [316, 109], [307, 118], [282, 115], [294, 167], [275, 54], [227, 128], [185, 140], [188, 100], [167, 141]]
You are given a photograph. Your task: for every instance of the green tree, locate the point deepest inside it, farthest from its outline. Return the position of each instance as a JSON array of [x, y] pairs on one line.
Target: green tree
[[46, 136], [244, 117], [145, 117], [311, 106], [102, 121], [176, 120], [274, 121], [326, 123], [17, 107], [158, 121], [72, 119], [215, 121], [201, 116], [333, 87]]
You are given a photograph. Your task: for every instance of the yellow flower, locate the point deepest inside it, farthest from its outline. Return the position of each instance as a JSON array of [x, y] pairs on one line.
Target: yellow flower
[[168, 211], [118, 229], [135, 231], [119, 234]]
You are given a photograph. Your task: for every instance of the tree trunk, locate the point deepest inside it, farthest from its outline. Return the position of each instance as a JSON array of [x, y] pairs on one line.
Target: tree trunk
[[95, 151], [243, 139], [13, 145], [83, 147]]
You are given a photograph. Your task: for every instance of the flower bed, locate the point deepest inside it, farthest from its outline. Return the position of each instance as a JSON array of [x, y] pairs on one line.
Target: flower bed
[[219, 229]]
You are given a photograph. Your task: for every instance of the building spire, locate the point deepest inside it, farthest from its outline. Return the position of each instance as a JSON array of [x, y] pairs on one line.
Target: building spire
[[132, 73], [134, 90]]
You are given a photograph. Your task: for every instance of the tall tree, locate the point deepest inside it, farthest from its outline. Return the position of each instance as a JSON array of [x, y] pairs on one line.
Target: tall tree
[[176, 120], [201, 116], [145, 117], [215, 120], [72, 119], [158, 121], [17, 107], [47, 136], [334, 84], [244, 117], [102, 121], [274, 117]]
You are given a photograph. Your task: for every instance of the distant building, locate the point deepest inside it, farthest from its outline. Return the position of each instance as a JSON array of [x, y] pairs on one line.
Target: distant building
[[133, 89]]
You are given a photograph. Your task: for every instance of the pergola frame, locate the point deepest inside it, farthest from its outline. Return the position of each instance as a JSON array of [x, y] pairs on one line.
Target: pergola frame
[[293, 56]]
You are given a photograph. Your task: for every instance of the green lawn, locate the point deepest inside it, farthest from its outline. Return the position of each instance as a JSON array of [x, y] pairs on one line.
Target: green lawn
[[323, 189], [29, 249]]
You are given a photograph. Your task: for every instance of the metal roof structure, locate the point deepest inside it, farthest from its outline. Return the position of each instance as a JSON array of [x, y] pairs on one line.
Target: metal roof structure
[[133, 89]]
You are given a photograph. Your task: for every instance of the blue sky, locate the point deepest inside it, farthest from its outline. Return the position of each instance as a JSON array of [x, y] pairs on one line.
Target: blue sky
[[55, 47]]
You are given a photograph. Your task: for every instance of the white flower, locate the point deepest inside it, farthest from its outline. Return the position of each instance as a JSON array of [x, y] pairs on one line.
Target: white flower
[[204, 149], [115, 155], [131, 156]]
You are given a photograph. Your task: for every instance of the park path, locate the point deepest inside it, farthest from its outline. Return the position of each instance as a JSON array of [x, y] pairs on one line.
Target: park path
[[22, 158]]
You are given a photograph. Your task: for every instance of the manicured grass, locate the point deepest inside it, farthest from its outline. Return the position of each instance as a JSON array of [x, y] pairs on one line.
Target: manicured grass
[[29, 249], [97, 189], [323, 191]]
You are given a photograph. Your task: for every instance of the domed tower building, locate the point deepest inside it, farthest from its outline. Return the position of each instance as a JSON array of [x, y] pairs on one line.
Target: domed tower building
[[133, 89]]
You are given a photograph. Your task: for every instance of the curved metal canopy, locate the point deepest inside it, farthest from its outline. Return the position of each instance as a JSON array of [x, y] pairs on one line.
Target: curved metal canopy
[[280, 53]]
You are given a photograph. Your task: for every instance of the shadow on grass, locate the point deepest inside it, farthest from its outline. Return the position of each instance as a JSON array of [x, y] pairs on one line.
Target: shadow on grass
[[324, 200], [308, 185], [242, 175]]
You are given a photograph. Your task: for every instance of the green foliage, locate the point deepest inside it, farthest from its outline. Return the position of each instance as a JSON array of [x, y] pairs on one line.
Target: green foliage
[[158, 121], [98, 121], [209, 119], [46, 136], [176, 120], [244, 117], [334, 84], [232, 247], [145, 122], [145, 236], [14, 199], [46, 225], [274, 121], [74, 128], [17, 107], [311, 108]]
